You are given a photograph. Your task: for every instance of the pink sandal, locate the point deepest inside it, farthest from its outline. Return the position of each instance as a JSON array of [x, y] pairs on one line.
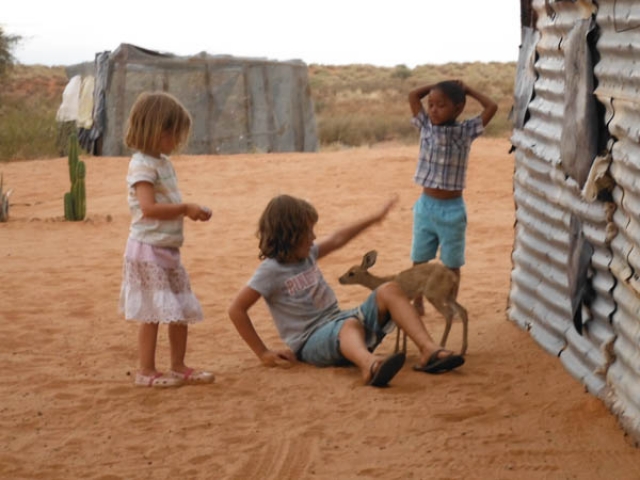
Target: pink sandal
[[193, 376], [157, 380]]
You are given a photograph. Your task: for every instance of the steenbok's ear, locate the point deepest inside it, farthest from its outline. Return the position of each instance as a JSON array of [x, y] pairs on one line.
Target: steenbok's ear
[[369, 259]]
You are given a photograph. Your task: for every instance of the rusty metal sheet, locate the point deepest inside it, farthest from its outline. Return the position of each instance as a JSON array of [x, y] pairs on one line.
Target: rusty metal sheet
[[525, 76], [579, 141]]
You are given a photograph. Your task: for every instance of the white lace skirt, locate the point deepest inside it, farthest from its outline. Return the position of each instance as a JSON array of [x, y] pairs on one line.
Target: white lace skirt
[[155, 286]]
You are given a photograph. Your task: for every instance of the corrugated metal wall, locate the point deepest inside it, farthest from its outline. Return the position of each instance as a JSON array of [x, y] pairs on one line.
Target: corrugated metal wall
[[618, 74], [576, 256]]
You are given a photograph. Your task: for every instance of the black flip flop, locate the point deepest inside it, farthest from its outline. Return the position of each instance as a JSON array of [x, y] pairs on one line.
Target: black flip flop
[[440, 365], [387, 369]]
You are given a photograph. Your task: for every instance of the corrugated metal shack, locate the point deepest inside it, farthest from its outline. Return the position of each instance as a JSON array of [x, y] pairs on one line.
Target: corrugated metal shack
[[237, 104], [576, 257]]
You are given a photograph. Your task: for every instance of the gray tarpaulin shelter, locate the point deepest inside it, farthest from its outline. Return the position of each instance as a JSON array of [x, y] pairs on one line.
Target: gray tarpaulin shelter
[[237, 104]]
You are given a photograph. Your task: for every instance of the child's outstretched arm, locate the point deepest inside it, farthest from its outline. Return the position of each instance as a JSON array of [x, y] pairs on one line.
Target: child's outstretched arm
[[167, 211], [490, 107], [340, 237], [416, 96], [239, 315]]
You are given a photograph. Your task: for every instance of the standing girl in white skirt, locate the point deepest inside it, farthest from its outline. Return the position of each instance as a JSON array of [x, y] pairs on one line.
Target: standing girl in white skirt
[[155, 287]]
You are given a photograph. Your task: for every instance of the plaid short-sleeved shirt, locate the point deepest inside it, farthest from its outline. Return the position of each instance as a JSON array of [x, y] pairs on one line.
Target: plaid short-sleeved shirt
[[444, 152]]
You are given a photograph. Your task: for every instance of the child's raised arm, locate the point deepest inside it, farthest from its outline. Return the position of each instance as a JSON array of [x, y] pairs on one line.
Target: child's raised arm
[[239, 315], [490, 107], [342, 236], [416, 96]]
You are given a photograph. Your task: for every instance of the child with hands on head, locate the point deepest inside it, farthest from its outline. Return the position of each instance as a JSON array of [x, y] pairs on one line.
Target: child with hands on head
[[439, 214], [156, 287], [305, 310]]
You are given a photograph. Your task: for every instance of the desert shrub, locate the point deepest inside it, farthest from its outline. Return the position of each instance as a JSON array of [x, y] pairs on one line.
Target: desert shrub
[[7, 43], [29, 101], [402, 72], [27, 130], [364, 129]]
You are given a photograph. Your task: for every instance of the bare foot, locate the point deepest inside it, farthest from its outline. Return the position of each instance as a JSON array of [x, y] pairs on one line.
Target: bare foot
[[368, 373], [382, 370], [440, 361]]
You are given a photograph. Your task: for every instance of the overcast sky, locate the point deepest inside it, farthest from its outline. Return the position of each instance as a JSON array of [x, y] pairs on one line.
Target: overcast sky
[[330, 32]]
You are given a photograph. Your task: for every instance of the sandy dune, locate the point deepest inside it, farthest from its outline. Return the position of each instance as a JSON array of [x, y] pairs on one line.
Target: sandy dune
[[68, 408]]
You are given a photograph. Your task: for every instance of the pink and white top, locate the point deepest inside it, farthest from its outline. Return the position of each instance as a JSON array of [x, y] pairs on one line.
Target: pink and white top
[[160, 173]]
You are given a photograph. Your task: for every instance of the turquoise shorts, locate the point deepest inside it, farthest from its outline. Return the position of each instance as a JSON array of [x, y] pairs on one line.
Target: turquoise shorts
[[439, 223], [322, 348]]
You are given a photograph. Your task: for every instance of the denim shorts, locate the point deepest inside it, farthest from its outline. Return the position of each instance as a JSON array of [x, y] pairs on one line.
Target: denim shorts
[[439, 223], [322, 348]]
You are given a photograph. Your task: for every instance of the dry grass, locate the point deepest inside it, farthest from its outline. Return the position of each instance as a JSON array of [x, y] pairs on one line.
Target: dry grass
[[355, 104], [362, 104], [29, 100]]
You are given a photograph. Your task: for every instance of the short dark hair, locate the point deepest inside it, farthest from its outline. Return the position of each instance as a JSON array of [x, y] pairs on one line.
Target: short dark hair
[[284, 223], [452, 90]]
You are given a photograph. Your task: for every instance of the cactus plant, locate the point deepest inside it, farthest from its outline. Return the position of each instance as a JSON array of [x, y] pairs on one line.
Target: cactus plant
[[75, 200], [4, 201], [73, 157], [68, 206]]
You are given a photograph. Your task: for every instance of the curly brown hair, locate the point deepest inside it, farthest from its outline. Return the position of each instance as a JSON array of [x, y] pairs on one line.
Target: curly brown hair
[[152, 114], [285, 222]]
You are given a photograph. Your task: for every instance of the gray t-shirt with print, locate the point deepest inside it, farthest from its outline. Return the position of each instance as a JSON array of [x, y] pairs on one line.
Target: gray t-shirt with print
[[298, 297]]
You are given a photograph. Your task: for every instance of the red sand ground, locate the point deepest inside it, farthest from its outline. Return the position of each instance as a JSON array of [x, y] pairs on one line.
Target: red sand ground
[[69, 410]]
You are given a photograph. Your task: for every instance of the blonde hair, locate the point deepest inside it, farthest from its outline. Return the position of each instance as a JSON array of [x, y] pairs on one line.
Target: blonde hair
[[153, 114]]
